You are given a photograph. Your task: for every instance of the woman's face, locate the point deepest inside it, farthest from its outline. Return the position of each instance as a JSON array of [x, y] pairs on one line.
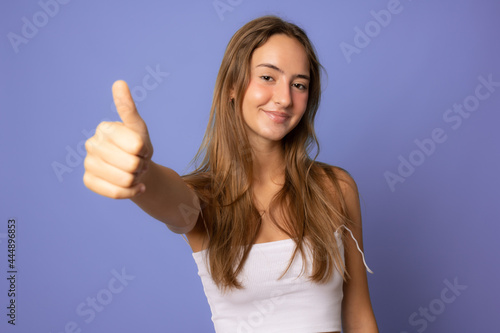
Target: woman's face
[[276, 97]]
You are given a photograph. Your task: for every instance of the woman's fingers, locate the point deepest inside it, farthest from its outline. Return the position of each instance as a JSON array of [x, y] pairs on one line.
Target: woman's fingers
[[108, 152], [123, 137], [119, 152], [105, 188], [110, 173]]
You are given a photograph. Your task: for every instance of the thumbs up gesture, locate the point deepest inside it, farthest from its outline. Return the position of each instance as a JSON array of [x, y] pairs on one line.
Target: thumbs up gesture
[[119, 153]]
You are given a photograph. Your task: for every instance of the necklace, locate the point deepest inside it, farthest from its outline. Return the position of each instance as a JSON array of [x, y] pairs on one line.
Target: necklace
[[257, 204]]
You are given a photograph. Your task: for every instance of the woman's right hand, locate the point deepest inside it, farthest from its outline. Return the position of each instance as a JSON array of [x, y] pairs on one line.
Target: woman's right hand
[[119, 153]]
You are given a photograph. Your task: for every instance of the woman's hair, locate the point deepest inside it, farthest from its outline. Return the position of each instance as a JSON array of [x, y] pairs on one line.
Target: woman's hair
[[310, 201]]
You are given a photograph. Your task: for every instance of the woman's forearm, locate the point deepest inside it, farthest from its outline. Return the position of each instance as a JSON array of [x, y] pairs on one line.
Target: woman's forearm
[[168, 199]]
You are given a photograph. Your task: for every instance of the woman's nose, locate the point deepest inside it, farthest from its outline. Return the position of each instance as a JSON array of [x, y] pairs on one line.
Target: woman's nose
[[282, 94]]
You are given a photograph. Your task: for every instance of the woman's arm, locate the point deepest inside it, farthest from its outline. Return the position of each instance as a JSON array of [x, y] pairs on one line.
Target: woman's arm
[[168, 199], [357, 312]]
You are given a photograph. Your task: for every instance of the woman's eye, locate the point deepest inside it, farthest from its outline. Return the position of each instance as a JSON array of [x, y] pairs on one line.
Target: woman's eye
[[300, 86], [266, 78]]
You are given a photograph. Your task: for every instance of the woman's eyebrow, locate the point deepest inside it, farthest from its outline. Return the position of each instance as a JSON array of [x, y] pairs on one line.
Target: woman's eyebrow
[[302, 76]]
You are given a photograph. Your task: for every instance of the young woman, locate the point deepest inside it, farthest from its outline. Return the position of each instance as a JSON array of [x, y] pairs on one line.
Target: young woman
[[276, 235]]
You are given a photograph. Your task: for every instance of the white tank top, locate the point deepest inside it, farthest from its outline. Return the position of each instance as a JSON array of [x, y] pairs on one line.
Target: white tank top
[[266, 304]]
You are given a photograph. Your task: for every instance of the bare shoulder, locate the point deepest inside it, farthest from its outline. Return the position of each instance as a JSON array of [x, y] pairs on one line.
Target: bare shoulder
[[342, 177], [347, 183]]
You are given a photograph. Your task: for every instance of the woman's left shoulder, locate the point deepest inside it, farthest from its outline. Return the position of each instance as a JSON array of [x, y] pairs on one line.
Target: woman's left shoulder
[[339, 176]]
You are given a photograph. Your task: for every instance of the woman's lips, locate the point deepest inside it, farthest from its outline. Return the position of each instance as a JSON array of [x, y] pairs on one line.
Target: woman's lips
[[276, 116]]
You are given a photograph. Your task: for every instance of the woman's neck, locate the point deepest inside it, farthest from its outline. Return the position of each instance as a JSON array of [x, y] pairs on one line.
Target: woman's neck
[[268, 163]]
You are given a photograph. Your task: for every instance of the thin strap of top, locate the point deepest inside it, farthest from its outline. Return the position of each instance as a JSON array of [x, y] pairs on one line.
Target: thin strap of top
[[359, 249], [342, 226]]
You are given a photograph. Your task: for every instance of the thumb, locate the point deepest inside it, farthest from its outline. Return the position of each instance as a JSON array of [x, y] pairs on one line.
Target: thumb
[[126, 108]]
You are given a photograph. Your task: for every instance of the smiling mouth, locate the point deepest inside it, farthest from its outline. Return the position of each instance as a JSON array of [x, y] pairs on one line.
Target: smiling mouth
[[276, 116]]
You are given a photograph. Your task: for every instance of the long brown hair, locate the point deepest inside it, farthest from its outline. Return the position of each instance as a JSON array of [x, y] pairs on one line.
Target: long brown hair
[[314, 207]]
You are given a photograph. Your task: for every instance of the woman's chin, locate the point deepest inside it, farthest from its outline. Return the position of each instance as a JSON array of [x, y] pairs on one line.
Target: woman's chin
[[268, 139]]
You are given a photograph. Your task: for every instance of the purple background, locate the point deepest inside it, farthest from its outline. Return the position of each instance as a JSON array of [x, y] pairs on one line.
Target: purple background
[[439, 225]]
